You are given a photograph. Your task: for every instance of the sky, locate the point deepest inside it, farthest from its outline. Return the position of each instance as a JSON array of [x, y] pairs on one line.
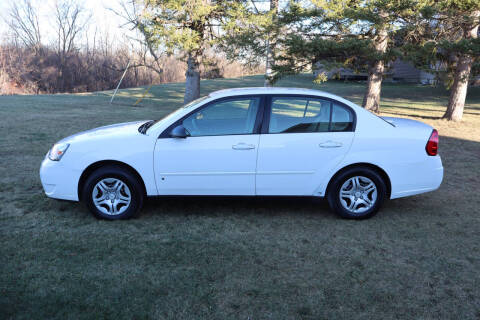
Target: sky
[[102, 18]]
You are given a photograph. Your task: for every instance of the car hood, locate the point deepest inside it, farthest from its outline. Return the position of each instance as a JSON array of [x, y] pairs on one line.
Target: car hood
[[119, 130]]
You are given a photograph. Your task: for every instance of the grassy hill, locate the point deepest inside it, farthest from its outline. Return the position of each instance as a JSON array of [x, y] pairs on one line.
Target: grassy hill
[[235, 258]]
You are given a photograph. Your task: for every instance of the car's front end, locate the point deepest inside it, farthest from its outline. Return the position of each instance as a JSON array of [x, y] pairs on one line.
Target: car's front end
[[67, 160], [59, 179]]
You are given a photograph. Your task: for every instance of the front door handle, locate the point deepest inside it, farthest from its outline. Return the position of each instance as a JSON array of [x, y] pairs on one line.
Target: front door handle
[[330, 144], [243, 146]]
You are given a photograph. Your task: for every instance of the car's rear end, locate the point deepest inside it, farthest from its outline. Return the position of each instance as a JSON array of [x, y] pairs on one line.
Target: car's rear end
[[417, 164]]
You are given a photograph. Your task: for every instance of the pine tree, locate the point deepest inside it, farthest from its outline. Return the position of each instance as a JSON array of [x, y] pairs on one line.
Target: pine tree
[[356, 34], [251, 36], [271, 41], [187, 28], [446, 43], [464, 46]]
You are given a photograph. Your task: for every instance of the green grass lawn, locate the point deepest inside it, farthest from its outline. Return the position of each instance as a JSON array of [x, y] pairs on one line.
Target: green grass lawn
[[419, 258]]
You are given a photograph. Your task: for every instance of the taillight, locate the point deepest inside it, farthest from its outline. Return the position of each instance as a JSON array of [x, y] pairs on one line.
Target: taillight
[[432, 144]]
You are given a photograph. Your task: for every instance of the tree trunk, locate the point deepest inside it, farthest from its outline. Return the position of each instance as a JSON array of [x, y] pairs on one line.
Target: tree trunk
[[371, 100], [268, 66], [459, 89], [192, 82], [458, 93], [270, 62]]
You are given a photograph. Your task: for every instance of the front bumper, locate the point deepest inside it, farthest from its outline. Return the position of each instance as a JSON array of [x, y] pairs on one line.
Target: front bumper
[[59, 181]]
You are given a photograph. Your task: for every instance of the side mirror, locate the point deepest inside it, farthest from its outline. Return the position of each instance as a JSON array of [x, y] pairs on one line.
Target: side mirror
[[179, 132]]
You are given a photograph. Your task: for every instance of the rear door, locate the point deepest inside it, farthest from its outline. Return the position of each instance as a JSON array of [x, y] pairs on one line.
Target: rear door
[[302, 140]]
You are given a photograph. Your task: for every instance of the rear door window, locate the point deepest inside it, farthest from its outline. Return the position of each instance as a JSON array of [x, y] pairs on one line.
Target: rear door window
[[297, 114], [307, 114]]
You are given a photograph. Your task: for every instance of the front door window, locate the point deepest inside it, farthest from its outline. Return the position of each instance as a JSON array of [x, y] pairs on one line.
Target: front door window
[[226, 117]]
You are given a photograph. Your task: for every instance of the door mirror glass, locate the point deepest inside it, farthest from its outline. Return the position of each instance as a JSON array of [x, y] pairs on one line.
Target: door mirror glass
[[179, 132], [225, 117]]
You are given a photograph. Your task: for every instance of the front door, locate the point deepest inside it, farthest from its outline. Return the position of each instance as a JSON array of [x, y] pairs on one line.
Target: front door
[[219, 155], [306, 138]]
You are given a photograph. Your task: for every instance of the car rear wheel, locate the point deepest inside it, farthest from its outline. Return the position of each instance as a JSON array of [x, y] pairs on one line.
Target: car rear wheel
[[113, 193], [357, 193]]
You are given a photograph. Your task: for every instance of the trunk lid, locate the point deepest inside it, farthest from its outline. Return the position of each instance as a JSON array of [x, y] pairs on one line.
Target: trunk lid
[[403, 123]]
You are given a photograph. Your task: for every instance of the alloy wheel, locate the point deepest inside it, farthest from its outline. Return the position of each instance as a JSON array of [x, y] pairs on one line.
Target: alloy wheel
[[358, 194], [111, 196]]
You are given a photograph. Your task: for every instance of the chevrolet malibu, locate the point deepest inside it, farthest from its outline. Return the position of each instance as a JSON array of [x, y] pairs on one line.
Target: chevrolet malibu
[[248, 142]]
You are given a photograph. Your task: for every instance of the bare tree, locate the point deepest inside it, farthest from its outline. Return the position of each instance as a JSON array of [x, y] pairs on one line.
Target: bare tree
[[147, 56], [22, 19], [71, 20]]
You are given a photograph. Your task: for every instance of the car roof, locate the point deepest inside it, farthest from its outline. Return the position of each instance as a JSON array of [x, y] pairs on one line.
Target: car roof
[[273, 90]]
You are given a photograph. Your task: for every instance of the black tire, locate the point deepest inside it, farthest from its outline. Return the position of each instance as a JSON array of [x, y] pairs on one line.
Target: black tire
[[111, 171], [333, 193]]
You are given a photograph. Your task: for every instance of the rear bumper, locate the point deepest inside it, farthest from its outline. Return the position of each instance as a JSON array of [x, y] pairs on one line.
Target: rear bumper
[[58, 181], [417, 178]]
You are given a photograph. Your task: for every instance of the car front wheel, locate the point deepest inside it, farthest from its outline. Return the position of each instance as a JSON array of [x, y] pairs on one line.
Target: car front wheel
[[357, 193], [113, 193]]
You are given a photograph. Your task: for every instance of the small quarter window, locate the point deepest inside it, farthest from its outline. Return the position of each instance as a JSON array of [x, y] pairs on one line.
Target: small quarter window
[[342, 119]]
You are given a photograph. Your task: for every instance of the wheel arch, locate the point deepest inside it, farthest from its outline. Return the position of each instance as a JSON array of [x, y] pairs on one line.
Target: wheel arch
[[94, 166], [374, 167]]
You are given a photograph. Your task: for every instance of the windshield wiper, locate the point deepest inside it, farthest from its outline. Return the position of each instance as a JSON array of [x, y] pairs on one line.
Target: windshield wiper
[[144, 127]]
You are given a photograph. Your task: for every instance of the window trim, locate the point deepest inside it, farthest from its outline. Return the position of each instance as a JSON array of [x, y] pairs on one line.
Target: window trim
[[256, 127], [268, 108]]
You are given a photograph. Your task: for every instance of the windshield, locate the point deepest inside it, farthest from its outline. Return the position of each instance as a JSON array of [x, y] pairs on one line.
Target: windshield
[[149, 124], [194, 102]]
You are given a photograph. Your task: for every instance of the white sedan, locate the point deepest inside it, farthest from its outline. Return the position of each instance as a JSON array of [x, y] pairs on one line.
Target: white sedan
[[248, 142]]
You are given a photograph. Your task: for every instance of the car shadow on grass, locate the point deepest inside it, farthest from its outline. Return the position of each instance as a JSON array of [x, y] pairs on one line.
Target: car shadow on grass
[[230, 205]]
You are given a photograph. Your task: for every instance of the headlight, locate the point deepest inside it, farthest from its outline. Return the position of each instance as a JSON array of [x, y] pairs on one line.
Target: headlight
[[57, 151]]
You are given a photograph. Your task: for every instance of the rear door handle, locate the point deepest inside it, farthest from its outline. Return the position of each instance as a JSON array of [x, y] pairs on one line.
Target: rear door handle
[[330, 144], [243, 146]]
